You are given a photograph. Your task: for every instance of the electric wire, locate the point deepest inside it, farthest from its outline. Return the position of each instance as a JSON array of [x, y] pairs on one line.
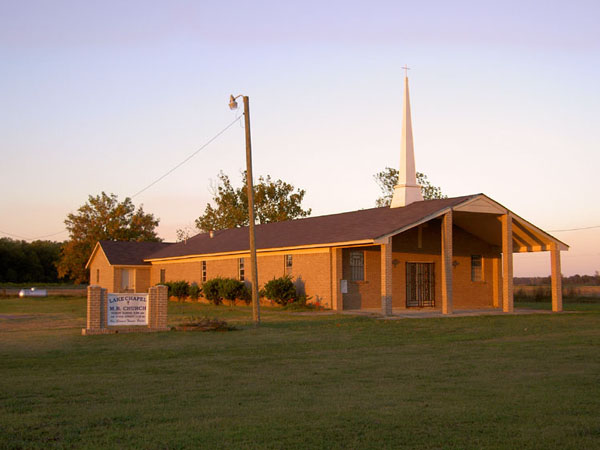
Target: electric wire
[[187, 159], [206, 144], [34, 238], [575, 229]]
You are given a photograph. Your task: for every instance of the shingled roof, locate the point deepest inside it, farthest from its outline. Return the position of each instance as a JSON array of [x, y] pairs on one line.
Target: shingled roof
[[130, 253], [364, 224]]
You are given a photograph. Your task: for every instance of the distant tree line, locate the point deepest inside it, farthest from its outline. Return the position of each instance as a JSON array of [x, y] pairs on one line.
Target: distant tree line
[[579, 280], [25, 262]]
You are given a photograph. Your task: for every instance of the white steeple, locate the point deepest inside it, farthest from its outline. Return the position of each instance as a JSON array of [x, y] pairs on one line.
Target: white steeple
[[407, 190]]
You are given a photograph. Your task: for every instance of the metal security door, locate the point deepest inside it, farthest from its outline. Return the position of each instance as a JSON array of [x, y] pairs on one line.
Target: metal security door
[[420, 284]]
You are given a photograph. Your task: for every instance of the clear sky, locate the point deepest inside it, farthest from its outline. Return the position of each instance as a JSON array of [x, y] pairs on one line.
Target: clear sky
[[108, 95]]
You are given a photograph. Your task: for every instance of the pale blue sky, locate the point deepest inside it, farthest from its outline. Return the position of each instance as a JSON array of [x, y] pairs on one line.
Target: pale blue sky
[[109, 95]]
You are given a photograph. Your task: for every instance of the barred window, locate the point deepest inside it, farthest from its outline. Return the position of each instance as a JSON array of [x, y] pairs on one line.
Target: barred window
[[288, 264], [203, 271], [476, 273], [357, 265], [241, 269]]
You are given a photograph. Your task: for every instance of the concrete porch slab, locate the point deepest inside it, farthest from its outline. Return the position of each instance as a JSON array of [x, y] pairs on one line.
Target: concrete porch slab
[[423, 314]]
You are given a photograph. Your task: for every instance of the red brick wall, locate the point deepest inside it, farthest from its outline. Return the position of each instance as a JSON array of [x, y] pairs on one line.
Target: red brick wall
[[311, 272], [405, 248]]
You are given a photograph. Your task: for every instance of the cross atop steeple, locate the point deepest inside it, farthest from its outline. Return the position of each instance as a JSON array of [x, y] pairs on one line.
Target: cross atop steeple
[[406, 69]]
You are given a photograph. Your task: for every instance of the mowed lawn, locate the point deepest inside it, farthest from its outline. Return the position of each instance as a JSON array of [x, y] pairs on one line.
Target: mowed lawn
[[300, 381]]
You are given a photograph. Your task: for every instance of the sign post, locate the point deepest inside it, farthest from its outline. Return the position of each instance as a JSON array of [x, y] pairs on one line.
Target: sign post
[[126, 313]]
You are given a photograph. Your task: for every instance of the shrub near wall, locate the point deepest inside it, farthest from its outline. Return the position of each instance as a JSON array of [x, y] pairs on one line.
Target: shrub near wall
[[194, 291], [212, 291], [281, 290], [178, 289], [218, 289], [232, 290]]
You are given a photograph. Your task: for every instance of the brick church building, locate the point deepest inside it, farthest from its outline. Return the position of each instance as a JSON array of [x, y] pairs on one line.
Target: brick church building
[[445, 254]]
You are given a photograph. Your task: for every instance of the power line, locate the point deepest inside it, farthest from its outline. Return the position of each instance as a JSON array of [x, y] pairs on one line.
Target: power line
[[34, 238], [13, 235], [188, 158], [575, 229], [206, 144]]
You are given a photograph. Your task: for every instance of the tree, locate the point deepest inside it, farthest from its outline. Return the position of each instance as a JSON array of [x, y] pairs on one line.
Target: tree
[[23, 262], [183, 234], [388, 178], [274, 201], [103, 217]]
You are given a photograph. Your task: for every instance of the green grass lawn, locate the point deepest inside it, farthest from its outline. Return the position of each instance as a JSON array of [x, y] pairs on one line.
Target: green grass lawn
[[300, 381]]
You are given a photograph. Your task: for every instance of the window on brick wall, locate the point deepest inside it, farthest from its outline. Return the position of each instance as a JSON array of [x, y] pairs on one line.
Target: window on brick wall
[[126, 280], [357, 265], [162, 275], [97, 275], [203, 271], [241, 269], [288, 264], [476, 272]]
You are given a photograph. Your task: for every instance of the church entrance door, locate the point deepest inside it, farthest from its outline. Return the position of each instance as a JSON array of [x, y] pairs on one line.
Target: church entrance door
[[420, 285]]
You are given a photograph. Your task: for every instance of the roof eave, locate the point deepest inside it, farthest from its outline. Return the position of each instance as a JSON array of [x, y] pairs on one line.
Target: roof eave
[[561, 244], [264, 250], [89, 261]]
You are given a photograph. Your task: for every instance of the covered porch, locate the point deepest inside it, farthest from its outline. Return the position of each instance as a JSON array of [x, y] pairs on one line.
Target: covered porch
[[496, 225], [449, 242]]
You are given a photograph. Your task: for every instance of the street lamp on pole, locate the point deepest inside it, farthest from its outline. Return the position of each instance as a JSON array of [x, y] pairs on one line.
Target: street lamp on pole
[[253, 265]]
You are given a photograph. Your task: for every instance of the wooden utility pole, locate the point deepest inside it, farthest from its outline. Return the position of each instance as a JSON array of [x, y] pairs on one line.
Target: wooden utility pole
[[253, 263]]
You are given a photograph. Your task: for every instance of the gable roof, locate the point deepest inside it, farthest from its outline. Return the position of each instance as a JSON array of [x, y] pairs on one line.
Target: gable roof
[[128, 253], [355, 226]]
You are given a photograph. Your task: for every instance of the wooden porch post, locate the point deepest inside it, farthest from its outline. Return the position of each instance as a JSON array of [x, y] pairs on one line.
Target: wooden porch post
[[337, 302], [507, 264], [386, 278], [447, 263], [496, 277], [557, 304]]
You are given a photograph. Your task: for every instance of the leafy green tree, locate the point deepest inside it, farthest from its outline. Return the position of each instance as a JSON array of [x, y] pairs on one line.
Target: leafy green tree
[[388, 178], [24, 262], [103, 217], [274, 201]]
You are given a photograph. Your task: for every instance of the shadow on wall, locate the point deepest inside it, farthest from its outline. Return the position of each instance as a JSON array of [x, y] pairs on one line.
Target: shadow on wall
[[300, 286]]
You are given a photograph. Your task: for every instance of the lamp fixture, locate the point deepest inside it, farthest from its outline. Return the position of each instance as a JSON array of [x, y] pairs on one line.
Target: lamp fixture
[[232, 103]]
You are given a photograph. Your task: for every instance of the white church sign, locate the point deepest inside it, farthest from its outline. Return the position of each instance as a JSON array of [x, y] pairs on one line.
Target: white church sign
[[127, 309]]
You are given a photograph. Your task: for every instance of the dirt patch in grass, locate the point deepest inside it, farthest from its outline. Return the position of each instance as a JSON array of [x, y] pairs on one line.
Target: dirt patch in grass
[[204, 324], [24, 322]]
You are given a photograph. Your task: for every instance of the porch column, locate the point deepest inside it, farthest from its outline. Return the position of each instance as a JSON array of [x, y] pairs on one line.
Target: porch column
[[337, 302], [507, 264], [496, 277], [557, 304], [386, 278], [447, 263]]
